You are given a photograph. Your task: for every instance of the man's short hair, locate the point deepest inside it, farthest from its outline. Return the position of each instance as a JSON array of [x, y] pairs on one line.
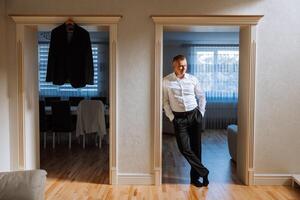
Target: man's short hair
[[178, 57]]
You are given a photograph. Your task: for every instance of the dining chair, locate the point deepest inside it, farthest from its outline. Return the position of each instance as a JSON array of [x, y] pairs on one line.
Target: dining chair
[[62, 120], [91, 119], [50, 100], [43, 121], [103, 99], [74, 101]]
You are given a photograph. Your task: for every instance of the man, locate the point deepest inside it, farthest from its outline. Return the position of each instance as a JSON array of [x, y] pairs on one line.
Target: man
[[180, 91]]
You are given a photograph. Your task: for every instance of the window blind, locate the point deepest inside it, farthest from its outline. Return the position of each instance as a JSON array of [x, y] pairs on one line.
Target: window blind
[[48, 89], [217, 69]]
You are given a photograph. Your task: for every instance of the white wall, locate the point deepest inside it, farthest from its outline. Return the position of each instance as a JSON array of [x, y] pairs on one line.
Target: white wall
[[277, 138], [4, 112], [277, 113]]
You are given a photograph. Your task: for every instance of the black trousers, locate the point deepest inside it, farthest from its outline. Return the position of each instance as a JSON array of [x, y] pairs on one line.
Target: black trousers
[[188, 129]]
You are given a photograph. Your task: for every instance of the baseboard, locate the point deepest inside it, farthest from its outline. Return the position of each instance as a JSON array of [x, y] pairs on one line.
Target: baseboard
[[296, 180], [157, 176], [273, 179], [113, 176], [135, 179], [251, 176]]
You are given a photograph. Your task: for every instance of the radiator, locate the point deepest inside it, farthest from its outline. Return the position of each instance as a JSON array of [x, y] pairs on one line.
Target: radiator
[[219, 115]]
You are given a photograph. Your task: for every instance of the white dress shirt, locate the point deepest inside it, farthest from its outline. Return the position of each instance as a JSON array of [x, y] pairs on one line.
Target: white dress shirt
[[179, 95], [90, 118]]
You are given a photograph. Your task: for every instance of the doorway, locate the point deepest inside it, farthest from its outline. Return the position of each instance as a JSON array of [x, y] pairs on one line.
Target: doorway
[[75, 145], [212, 54], [28, 139], [245, 138]]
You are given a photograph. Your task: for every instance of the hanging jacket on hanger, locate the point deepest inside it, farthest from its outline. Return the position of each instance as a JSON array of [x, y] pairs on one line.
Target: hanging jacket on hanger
[[70, 58]]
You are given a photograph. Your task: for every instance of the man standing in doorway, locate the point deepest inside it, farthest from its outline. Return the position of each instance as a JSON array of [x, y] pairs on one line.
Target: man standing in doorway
[[180, 91]]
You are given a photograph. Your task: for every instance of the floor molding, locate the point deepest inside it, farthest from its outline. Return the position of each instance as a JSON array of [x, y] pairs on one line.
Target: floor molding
[[296, 180], [157, 176], [113, 176], [135, 178], [272, 179]]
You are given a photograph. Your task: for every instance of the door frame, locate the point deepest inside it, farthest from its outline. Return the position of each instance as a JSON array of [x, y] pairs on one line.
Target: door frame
[[245, 163], [35, 22]]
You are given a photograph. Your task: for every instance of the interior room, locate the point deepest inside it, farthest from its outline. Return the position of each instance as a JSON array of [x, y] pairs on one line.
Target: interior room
[[212, 54], [72, 150], [142, 160]]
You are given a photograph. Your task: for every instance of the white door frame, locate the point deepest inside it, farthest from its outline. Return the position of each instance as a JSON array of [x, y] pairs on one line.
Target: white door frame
[[36, 22], [248, 22]]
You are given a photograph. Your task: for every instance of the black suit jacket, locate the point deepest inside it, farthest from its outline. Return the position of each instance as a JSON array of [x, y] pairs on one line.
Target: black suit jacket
[[70, 62]]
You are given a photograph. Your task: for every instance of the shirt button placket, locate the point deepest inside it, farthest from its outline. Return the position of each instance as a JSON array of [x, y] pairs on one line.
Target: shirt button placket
[[181, 87]]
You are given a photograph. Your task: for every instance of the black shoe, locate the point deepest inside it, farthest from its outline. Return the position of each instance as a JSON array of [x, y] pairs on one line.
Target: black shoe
[[196, 183], [205, 180]]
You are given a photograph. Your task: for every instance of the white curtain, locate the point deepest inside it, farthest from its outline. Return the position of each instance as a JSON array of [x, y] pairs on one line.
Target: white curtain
[[216, 67]]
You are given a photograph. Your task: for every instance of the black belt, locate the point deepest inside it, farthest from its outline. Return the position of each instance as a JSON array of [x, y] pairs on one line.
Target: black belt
[[184, 114]]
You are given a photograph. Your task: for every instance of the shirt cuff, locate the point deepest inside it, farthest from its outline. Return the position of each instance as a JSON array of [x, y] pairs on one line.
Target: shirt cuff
[[171, 118], [202, 113]]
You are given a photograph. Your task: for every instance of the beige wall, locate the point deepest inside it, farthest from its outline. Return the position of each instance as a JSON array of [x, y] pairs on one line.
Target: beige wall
[[278, 89], [278, 98], [4, 111]]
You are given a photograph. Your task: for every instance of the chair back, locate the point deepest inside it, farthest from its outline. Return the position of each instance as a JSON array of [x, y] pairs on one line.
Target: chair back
[[61, 116], [74, 101], [91, 117], [103, 99], [43, 126], [50, 100]]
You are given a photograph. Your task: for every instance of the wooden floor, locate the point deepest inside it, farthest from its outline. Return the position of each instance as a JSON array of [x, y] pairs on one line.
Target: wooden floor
[[215, 157], [83, 174]]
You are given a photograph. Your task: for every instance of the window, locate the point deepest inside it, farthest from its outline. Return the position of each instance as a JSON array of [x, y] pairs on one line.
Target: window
[[48, 89], [216, 67]]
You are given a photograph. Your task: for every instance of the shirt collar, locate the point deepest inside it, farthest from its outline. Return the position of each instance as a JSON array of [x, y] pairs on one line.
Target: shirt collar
[[186, 75]]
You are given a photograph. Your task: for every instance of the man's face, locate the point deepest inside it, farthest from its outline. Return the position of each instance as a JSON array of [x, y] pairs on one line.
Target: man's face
[[180, 67]]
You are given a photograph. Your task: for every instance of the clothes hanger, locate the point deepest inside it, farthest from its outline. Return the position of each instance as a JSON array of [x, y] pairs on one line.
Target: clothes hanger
[[69, 21], [70, 24]]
